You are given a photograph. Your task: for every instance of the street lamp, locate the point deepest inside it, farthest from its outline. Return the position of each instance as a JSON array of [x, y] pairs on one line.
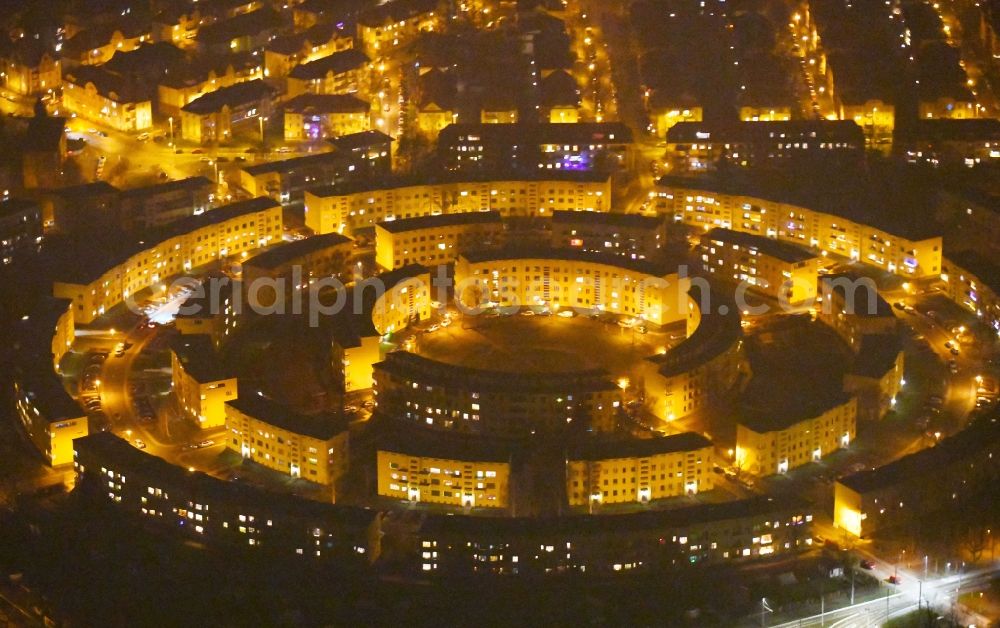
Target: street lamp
[[171, 120]]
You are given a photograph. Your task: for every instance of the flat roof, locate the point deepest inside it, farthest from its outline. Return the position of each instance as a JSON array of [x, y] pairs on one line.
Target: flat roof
[[395, 182], [522, 528], [90, 269], [877, 355], [33, 366], [716, 333], [628, 221], [320, 426], [962, 129], [418, 368], [288, 165], [364, 139], [922, 466], [190, 183], [83, 190], [537, 133], [119, 454], [768, 246], [441, 220], [767, 131], [398, 436], [833, 284], [17, 206], [791, 409], [646, 267], [863, 204], [597, 448], [984, 268], [198, 357], [282, 254]]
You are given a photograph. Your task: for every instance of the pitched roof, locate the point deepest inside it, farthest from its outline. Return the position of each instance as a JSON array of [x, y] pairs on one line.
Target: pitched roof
[[232, 96], [337, 63], [244, 24], [326, 103], [320, 426], [441, 220], [605, 449]]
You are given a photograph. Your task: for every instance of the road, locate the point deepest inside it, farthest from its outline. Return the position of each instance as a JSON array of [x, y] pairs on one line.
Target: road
[[940, 592]]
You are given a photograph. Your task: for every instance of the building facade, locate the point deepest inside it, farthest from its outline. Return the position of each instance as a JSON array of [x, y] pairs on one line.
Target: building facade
[[348, 208], [200, 383], [638, 471], [916, 255], [186, 244], [434, 240], [273, 435], [776, 269], [769, 444]]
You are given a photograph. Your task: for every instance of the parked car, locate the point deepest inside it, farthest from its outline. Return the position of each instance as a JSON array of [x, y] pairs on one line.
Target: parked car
[[867, 564]]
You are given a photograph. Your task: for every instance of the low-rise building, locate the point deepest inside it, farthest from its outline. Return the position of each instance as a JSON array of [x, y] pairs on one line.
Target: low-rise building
[[107, 98], [630, 235], [97, 44], [315, 448], [51, 418], [434, 240], [288, 51], [229, 515], [201, 76], [288, 179], [709, 367], [347, 208], [853, 230], [644, 542], [951, 142], [776, 440], [972, 281], [43, 150], [703, 146], [344, 72], [29, 68], [913, 486], [370, 151], [189, 243], [294, 266], [665, 111], [388, 26], [201, 384], [559, 98], [524, 277], [443, 469], [854, 309], [639, 470], [316, 116], [161, 204], [20, 229], [449, 397], [876, 375], [80, 209], [217, 115], [527, 147], [781, 271], [244, 32]]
